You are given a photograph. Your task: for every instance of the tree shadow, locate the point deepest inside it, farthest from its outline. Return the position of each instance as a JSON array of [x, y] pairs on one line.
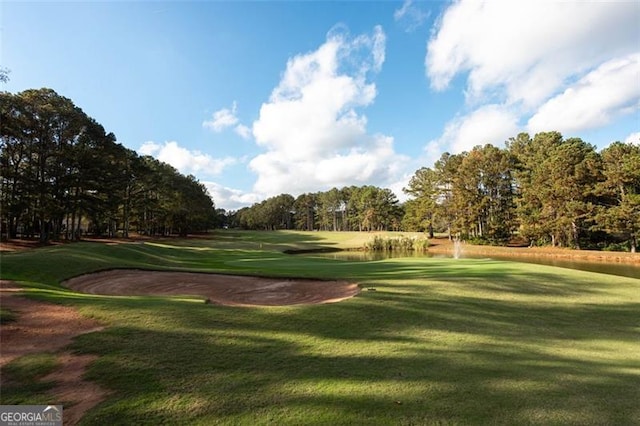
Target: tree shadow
[[380, 358]]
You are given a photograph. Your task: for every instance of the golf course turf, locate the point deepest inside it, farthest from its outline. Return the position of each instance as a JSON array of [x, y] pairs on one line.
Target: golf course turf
[[426, 341]]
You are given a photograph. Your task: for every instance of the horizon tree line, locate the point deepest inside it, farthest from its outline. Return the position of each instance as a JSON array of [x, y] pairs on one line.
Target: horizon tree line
[[63, 175], [353, 208]]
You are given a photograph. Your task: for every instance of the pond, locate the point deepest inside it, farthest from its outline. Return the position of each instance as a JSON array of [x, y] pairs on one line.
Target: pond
[[625, 270]]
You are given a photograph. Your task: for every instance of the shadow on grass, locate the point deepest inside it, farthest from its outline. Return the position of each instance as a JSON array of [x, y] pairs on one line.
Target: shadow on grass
[[470, 342], [379, 359]]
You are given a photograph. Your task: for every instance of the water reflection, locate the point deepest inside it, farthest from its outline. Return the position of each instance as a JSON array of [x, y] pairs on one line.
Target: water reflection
[[624, 270]]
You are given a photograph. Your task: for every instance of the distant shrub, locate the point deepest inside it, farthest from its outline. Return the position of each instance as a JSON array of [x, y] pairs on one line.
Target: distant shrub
[[421, 244], [617, 247], [397, 244]]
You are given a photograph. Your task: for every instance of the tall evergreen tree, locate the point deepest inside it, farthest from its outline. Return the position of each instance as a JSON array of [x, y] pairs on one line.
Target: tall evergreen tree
[[422, 210], [556, 181], [619, 211], [59, 168]]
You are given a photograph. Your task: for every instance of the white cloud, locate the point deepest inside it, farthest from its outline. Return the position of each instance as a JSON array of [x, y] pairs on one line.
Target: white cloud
[[610, 90], [554, 65], [398, 186], [378, 47], [527, 50], [311, 128], [410, 16], [149, 148], [633, 138], [226, 118], [492, 124], [243, 131], [400, 13], [229, 198], [186, 161], [222, 119], [374, 163]]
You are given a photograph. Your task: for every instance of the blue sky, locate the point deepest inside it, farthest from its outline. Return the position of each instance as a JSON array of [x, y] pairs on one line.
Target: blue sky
[[261, 98]]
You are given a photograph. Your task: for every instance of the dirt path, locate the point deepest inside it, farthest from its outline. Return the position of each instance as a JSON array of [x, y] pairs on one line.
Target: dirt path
[[220, 289], [44, 327]]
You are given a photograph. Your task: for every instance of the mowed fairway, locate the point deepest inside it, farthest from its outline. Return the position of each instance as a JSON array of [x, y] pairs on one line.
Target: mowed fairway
[[426, 341]]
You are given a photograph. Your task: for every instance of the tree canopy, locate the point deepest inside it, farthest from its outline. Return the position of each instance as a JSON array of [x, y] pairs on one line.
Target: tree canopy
[[64, 175], [545, 189]]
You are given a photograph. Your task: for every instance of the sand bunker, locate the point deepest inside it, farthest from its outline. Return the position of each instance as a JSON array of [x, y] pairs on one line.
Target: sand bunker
[[219, 289]]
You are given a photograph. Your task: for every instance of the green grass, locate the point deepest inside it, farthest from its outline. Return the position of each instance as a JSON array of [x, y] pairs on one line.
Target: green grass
[[439, 341], [22, 379], [6, 316]]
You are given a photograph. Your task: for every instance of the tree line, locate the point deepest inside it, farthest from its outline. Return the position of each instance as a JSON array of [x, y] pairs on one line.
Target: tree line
[[63, 175], [353, 208], [541, 190], [546, 189]]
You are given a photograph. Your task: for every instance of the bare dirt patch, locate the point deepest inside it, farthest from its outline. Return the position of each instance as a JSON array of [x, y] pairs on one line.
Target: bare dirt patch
[[23, 244], [44, 327], [219, 289], [76, 394], [40, 327]]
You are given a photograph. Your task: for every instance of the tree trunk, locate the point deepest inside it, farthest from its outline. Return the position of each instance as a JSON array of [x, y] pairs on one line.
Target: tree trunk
[[126, 212], [73, 224], [12, 225], [77, 234], [576, 235], [44, 235], [66, 227]]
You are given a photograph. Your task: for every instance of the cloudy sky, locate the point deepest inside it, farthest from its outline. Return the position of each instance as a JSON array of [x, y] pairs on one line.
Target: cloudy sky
[[261, 98]]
